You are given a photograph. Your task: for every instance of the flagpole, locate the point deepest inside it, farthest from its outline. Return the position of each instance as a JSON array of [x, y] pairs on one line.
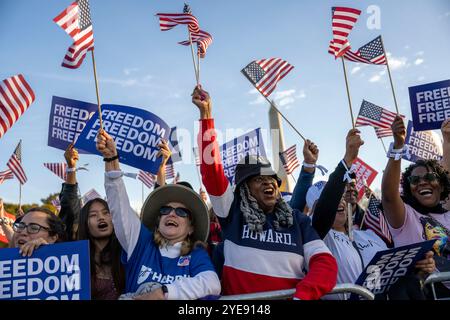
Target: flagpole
[[193, 57], [96, 90], [294, 178], [365, 211], [142, 183], [198, 66], [384, 147], [20, 194], [390, 76], [350, 221], [348, 92], [292, 126]]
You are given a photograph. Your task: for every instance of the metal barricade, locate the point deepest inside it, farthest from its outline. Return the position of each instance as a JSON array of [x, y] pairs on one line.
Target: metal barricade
[[289, 293], [437, 277]]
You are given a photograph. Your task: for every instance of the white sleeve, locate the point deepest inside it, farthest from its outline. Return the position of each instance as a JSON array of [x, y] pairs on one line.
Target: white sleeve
[[126, 222], [203, 284]]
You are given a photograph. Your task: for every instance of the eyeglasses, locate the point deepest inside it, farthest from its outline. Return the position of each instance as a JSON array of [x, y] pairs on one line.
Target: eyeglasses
[[31, 228], [181, 212], [261, 179], [428, 177]]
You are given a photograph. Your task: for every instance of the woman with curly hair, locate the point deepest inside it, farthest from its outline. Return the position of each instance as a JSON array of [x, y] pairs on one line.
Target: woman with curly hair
[[426, 185]]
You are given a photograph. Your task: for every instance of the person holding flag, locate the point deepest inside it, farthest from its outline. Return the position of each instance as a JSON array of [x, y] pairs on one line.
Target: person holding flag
[[417, 215], [252, 217], [355, 248]]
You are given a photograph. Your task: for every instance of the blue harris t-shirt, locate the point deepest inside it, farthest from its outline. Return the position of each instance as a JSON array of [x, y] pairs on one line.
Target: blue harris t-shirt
[[147, 264]]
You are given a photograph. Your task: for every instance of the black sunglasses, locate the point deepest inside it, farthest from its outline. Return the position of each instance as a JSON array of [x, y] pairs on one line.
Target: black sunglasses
[[428, 177], [181, 212]]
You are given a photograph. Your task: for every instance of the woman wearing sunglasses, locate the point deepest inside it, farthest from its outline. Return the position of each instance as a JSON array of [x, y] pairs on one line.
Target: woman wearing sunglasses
[[425, 186], [161, 251]]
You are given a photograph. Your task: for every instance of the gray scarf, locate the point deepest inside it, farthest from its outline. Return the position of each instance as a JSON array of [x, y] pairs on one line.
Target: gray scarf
[[255, 217]]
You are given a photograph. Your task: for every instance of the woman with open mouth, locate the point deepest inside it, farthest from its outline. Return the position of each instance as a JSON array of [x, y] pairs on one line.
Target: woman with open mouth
[[425, 186], [92, 222], [161, 254]]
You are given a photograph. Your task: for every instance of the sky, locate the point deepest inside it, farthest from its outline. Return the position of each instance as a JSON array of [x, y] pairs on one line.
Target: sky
[[140, 66]]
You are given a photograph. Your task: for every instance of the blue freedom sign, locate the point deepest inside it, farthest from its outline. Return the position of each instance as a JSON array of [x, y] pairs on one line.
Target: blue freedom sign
[[67, 120], [54, 272], [388, 266], [423, 145], [234, 150], [136, 132], [430, 104]]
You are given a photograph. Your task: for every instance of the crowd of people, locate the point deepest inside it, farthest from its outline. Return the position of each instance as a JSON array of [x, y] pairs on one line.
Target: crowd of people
[[245, 238]]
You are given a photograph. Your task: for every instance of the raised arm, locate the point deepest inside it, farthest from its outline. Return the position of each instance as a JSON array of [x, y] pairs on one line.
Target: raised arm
[[445, 129], [393, 205], [165, 153], [211, 168], [70, 202], [310, 157], [5, 225], [126, 222], [327, 205]]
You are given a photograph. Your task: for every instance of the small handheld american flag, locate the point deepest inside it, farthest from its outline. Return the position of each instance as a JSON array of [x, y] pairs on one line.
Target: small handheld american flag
[[376, 221], [289, 159], [373, 115], [147, 178], [203, 40], [370, 53], [264, 74], [15, 164], [16, 96], [6, 175], [76, 21], [57, 168], [343, 19]]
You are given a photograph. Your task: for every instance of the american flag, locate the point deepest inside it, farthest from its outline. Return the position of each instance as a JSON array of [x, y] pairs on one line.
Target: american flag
[[203, 40], [169, 20], [264, 74], [57, 168], [376, 221], [170, 171], [196, 156], [76, 21], [289, 159], [373, 115], [370, 53], [383, 132], [15, 164], [16, 96], [343, 20], [147, 178], [6, 175], [90, 195]]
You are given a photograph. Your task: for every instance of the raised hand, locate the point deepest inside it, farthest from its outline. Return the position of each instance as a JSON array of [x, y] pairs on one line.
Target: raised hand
[[71, 156], [164, 152], [399, 132], [202, 100], [445, 129], [353, 143], [105, 144], [310, 152]]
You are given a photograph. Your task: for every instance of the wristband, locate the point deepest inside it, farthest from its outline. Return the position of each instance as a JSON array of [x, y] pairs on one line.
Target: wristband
[[395, 154], [347, 173], [322, 169], [71, 170], [111, 159]]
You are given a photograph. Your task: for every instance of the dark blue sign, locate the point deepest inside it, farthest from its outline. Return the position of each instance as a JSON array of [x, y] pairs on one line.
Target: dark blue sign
[[54, 272], [430, 105], [67, 120], [136, 132], [388, 266], [234, 150], [422, 145]]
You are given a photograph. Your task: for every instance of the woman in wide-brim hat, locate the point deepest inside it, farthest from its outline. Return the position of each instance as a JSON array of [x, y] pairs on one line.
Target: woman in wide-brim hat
[[162, 248]]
